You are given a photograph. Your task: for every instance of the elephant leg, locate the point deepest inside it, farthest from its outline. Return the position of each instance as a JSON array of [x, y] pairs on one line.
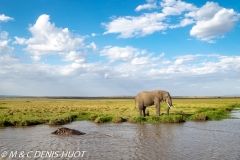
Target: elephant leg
[[168, 108], [140, 110], [158, 109], [144, 109]]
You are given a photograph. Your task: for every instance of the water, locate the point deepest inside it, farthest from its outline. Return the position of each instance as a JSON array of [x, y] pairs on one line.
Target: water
[[236, 113], [190, 140]]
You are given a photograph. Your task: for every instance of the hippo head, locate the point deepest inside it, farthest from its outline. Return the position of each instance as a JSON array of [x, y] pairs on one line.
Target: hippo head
[[67, 131]]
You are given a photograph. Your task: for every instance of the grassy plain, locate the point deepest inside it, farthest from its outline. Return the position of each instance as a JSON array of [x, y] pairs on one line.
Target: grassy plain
[[32, 111]]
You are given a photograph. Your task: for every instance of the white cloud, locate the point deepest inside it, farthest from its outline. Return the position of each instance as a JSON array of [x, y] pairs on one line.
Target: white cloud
[[119, 53], [186, 22], [93, 46], [35, 58], [160, 56], [183, 23], [106, 75], [140, 60], [223, 21], [181, 61], [129, 55], [74, 56], [222, 65], [167, 3], [48, 39], [148, 6], [130, 26], [4, 18], [19, 40], [176, 7], [95, 34], [125, 78], [4, 47], [3, 35], [206, 12], [210, 21], [130, 69]]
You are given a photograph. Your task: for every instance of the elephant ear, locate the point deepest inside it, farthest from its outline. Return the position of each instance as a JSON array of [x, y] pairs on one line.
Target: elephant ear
[[164, 95], [159, 95]]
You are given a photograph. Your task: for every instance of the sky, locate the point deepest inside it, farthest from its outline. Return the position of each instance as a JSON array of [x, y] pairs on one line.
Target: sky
[[119, 47]]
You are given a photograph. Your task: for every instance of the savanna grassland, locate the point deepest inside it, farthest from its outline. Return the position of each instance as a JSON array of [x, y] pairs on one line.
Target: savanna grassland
[[33, 111]]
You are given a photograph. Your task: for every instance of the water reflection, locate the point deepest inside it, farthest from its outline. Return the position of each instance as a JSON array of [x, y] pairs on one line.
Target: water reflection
[[236, 113], [190, 140]]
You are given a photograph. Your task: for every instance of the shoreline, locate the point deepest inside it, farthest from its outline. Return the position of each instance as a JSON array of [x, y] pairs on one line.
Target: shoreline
[[51, 111]]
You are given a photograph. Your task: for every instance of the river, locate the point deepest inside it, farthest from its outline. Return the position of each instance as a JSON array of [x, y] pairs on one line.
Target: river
[[189, 140]]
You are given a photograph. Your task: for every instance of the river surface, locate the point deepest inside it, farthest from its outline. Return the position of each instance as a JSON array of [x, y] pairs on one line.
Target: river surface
[[190, 140]]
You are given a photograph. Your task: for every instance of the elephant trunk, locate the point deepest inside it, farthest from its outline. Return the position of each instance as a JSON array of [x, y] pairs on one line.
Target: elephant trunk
[[169, 102]]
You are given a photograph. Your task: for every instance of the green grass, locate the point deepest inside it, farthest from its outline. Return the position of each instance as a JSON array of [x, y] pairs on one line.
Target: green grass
[[213, 113], [158, 119], [33, 111]]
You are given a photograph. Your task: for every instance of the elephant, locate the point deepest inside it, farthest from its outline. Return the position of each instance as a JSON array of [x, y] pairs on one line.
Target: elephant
[[145, 99], [67, 131]]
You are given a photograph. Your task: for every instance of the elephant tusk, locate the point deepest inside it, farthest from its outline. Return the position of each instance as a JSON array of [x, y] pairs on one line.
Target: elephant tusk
[[168, 105]]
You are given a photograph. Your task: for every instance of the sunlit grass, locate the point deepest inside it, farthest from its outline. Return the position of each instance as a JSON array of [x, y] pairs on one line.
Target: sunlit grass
[[32, 111]]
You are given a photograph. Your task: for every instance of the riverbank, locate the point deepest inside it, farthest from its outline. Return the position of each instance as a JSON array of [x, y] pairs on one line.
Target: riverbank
[[52, 111]]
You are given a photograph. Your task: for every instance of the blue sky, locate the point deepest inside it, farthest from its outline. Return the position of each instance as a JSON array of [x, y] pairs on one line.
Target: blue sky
[[119, 47]]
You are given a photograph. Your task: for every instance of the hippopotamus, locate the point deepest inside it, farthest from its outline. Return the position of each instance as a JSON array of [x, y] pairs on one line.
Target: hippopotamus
[[68, 131]]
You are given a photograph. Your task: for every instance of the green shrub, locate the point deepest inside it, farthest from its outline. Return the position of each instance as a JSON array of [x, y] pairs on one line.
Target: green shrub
[[63, 119], [118, 119], [103, 119]]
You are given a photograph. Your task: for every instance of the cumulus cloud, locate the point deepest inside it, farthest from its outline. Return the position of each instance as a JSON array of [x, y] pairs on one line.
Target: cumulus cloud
[[3, 35], [209, 21], [131, 26], [183, 66], [129, 67], [147, 6], [141, 60], [4, 44], [205, 12], [128, 54], [176, 7], [93, 46], [4, 18], [186, 22], [48, 39], [139, 68], [213, 23], [181, 61], [115, 53], [74, 56], [6, 51], [183, 23]]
